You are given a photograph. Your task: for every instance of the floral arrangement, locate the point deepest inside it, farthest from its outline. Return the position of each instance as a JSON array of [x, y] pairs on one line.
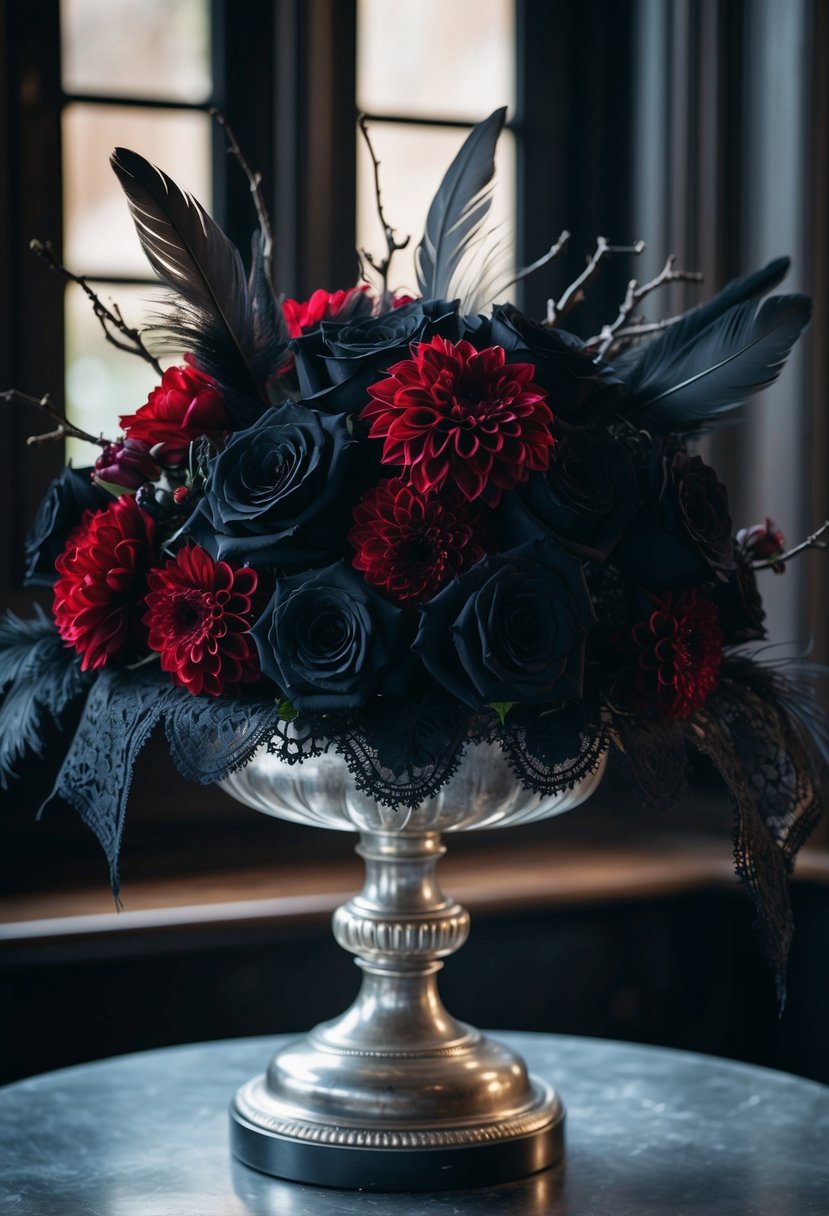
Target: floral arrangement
[[391, 524]]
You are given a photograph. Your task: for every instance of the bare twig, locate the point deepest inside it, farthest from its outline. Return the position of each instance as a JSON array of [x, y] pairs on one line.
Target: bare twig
[[574, 294], [634, 296], [112, 323], [65, 429], [642, 329], [392, 243], [526, 271], [811, 542], [255, 184]]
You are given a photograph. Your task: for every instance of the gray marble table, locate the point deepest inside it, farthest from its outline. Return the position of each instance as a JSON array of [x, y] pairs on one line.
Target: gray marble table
[[649, 1132]]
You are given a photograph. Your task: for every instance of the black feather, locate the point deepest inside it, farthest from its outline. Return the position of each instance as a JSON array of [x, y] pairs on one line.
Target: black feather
[[270, 331], [739, 352], [635, 364], [17, 638], [458, 211], [41, 677], [215, 317]]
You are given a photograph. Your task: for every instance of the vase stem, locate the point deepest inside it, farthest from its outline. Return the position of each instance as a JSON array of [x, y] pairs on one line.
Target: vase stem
[[396, 1093]]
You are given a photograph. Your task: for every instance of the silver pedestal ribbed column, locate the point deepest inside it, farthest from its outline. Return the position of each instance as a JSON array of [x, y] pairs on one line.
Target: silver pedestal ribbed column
[[396, 1094]]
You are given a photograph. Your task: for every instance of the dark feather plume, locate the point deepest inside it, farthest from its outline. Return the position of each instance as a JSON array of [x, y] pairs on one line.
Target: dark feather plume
[[41, 677], [635, 364], [215, 317], [458, 211], [682, 387]]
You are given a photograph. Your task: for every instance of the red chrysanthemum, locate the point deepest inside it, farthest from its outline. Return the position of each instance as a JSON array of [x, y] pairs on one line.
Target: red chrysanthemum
[[678, 652], [102, 580], [458, 415], [304, 315], [410, 544], [186, 405], [199, 616]]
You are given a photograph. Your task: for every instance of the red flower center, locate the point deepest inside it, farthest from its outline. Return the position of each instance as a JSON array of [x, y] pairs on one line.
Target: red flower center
[[408, 544], [456, 415], [198, 615]]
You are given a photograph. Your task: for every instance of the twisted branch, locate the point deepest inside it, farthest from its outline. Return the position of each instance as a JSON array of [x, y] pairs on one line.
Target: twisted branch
[[811, 542], [635, 294], [392, 244], [574, 294], [65, 429], [255, 184], [112, 323]]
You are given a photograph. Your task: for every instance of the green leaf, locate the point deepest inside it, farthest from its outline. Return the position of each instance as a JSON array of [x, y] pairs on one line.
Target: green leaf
[[286, 710], [502, 708]]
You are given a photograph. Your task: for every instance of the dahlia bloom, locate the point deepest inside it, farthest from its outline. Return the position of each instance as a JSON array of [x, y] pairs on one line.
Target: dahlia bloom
[[454, 414], [102, 580], [198, 617], [409, 544], [186, 405], [678, 652]]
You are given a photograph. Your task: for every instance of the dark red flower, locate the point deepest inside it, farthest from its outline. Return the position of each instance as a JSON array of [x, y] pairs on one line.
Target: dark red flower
[[198, 616], [186, 405], [102, 580], [301, 316], [677, 654], [127, 463], [410, 544], [454, 414], [763, 542]]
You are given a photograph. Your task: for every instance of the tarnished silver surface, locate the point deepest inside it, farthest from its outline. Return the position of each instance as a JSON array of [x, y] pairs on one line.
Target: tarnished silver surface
[[650, 1132], [396, 1094]]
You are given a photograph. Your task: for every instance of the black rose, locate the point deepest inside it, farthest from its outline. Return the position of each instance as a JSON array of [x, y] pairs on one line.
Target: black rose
[[337, 363], [279, 494], [512, 628], [742, 616], [330, 643], [585, 500], [577, 387], [682, 535], [61, 510]]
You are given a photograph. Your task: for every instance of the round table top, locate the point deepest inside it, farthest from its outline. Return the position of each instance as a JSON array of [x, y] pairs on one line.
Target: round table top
[[649, 1131]]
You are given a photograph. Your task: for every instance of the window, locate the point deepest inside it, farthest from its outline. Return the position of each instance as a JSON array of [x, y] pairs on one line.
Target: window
[[419, 103], [143, 93]]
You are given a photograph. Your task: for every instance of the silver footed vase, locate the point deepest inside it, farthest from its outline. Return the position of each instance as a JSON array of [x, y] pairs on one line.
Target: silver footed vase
[[396, 1094]]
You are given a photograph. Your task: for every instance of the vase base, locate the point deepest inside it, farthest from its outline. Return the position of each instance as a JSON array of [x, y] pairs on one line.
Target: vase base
[[384, 1158]]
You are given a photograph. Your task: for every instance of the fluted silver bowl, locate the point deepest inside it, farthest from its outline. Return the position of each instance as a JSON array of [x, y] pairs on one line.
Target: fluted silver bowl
[[396, 1094], [483, 793]]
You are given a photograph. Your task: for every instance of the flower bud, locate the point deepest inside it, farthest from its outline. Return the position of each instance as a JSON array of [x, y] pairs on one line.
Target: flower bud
[[762, 542], [127, 463]]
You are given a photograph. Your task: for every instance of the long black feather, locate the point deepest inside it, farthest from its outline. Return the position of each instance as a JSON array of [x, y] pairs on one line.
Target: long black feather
[[215, 318], [17, 638], [270, 331], [41, 677], [458, 211], [635, 365], [736, 354]]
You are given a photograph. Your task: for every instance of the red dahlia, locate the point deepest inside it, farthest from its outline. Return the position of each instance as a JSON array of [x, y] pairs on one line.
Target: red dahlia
[[101, 581], [454, 414], [186, 405], [198, 616], [409, 544], [678, 654]]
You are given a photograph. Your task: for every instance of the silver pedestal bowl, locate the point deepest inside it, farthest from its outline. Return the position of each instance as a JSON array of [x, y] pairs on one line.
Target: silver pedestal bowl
[[396, 1094]]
